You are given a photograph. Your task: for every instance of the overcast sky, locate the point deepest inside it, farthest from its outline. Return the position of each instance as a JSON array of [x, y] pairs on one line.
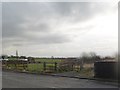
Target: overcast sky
[[59, 29]]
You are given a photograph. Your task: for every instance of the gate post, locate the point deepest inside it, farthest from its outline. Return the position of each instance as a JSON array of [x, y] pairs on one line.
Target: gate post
[[44, 65], [55, 66]]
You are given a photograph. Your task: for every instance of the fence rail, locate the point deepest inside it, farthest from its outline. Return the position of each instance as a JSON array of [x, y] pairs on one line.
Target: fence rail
[[24, 65], [46, 67]]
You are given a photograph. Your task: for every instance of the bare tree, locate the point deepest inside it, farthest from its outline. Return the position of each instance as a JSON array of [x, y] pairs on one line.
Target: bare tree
[[88, 58]]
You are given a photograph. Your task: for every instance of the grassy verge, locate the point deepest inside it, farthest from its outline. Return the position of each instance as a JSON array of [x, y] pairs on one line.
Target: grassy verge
[[86, 72]]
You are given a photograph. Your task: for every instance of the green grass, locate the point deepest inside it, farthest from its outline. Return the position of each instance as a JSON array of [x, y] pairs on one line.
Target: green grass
[[41, 59], [38, 67], [48, 60], [15, 67], [35, 67], [50, 63]]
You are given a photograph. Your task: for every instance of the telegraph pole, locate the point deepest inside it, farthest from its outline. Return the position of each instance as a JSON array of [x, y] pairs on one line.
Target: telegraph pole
[[16, 54]]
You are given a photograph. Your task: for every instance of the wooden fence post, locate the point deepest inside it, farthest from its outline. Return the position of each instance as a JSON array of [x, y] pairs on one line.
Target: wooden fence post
[[72, 67], [44, 65], [15, 66], [55, 66]]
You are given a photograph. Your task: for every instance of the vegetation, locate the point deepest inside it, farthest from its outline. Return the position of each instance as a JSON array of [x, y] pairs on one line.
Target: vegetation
[[83, 65], [35, 67], [47, 60]]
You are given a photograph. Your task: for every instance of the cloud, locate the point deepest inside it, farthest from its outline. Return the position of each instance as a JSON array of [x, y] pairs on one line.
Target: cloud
[[0, 28], [48, 23], [38, 16]]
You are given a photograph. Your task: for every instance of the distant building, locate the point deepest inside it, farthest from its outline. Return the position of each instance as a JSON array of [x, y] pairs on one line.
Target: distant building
[[31, 59], [23, 59]]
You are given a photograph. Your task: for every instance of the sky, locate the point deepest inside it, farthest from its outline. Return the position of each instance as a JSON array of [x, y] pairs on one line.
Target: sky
[[60, 29], [0, 28]]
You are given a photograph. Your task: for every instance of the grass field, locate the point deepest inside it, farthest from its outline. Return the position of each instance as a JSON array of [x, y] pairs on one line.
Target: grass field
[[35, 67], [39, 67], [50, 66], [50, 63], [41, 59], [48, 60]]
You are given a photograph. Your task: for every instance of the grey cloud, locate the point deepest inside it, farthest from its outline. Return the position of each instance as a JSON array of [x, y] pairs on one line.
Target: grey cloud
[[79, 11], [37, 17], [0, 28], [83, 28], [49, 39], [17, 45], [15, 14], [11, 18], [40, 27], [43, 27]]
